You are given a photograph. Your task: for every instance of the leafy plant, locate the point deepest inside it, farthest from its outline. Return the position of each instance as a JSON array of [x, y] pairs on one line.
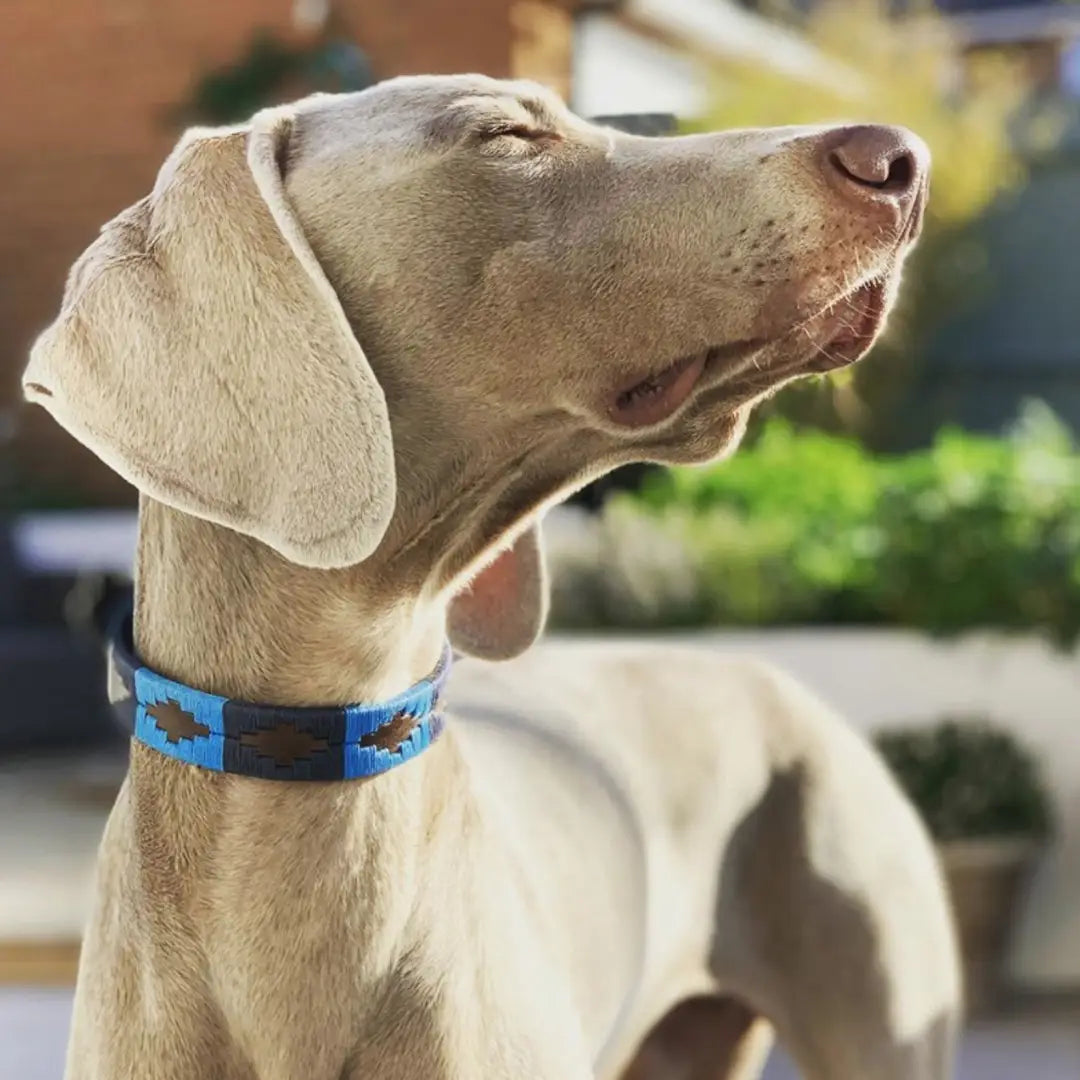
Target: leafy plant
[[817, 490], [270, 70], [806, 527], [969, 780], [984, 532]]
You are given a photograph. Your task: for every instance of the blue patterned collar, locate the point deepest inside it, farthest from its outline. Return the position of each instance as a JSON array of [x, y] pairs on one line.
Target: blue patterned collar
[[344, 742]]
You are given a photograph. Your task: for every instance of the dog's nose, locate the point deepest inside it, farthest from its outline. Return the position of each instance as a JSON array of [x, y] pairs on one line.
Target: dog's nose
[[876, 163]]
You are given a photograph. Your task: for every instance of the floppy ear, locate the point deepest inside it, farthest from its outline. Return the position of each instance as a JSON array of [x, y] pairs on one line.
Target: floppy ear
[[502, 611], [201, 352]]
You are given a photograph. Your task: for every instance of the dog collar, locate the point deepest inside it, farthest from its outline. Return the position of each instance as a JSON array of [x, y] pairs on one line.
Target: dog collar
[[344, 742]]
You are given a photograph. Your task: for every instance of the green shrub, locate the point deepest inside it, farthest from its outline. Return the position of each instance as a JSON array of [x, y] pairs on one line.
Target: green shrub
[[805, 527], [968, 780], [271, 70], [984, 534], [815, 491]]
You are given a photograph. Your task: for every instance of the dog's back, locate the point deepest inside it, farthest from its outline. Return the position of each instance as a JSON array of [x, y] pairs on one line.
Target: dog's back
[[783, 866]]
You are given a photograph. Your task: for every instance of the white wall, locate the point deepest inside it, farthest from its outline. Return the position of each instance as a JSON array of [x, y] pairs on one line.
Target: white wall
[[617, 71]]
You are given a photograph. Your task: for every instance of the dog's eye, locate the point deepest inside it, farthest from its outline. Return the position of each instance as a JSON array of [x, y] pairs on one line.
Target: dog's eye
[[516, 131]]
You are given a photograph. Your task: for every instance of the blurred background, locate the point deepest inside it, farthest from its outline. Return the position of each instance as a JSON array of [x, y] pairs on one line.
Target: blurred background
[[905, 539]]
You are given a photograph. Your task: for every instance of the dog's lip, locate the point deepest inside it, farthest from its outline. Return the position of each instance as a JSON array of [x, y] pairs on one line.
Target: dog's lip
[[835, 340], [840, 334], [651, 400], [847, 328], [644, 402]]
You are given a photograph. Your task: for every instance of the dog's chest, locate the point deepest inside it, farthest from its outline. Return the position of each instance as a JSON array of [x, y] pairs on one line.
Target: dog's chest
[[573, 837]]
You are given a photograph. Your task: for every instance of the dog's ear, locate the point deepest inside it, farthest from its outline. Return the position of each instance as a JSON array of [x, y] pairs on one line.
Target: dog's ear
[[502, 610], [202, 353]]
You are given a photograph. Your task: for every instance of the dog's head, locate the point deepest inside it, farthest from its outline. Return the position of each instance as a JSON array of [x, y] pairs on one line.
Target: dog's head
[[392, 326]]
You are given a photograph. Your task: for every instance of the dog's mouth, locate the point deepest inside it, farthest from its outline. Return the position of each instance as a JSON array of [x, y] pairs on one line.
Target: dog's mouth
[[839, 335], [845, 331], [658, 396]]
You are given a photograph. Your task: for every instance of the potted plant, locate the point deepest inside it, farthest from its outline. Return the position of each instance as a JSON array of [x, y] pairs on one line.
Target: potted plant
[[982, 797]]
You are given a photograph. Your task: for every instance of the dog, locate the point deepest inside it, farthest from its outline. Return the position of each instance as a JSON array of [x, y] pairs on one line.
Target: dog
[[349, 353]]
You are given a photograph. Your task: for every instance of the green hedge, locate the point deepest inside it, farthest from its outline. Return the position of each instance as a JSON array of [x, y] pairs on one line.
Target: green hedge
[[805, 527]]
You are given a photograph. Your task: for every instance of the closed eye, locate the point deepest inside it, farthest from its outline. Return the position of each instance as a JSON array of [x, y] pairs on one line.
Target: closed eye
[[518, 131]]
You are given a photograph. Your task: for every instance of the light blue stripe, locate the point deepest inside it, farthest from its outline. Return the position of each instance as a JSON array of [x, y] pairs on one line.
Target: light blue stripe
[[361, 720], [207, 751], [361, 761]]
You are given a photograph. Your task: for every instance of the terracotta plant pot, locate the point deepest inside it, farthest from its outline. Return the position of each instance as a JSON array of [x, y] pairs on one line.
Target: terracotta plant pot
[[987, 880]]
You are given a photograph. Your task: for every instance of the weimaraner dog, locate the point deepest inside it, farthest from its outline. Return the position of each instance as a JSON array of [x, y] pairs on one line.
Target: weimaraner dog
[[349, 353]]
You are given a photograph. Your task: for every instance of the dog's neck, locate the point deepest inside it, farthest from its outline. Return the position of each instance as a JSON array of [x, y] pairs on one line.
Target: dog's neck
[[223, 613]]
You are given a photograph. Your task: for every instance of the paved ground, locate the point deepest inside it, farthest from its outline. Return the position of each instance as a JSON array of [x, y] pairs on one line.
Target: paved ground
[[1007, 1050], [33, 1027]]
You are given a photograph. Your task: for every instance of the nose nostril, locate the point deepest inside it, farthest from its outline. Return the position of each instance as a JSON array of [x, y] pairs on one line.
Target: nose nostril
[[901, 173], [893, 175]]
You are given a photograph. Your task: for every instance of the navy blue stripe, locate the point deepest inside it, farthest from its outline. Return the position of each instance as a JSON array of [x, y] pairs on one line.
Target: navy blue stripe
[[322, 729]]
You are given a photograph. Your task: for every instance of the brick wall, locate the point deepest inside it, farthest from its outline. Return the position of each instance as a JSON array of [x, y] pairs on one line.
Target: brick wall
[[86, 89]]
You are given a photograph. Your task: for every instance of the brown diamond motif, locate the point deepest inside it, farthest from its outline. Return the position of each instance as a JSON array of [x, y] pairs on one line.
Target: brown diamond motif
[[283, 743], [392, 734], [177, 723]]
